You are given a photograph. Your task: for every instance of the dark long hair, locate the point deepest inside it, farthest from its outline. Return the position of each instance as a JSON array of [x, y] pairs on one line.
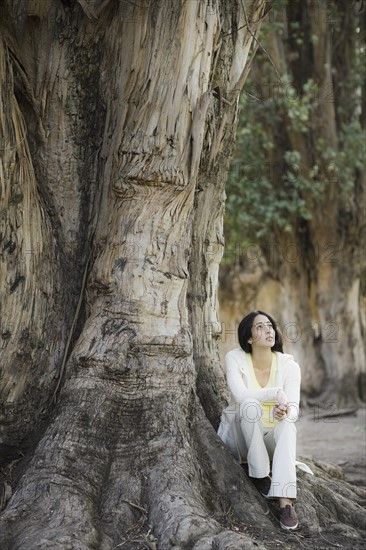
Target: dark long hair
[[245, 331]]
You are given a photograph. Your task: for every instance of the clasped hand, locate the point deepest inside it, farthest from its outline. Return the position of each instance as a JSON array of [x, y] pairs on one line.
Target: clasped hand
[[281, 408]]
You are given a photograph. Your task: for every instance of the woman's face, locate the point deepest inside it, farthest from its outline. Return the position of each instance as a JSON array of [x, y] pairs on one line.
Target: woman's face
[[263, 333]]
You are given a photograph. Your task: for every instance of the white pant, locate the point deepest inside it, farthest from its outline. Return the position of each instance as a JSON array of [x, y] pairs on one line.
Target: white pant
[[263, 444]]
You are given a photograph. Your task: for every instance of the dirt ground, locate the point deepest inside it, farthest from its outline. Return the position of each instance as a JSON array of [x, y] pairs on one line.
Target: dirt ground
[[337, 440]]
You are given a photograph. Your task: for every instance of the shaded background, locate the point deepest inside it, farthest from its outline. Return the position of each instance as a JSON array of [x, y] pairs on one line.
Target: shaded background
[[295, 211]]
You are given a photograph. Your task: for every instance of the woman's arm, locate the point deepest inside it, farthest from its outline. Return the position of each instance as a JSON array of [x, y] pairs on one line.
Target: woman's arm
[[291, 388], [238, 388]]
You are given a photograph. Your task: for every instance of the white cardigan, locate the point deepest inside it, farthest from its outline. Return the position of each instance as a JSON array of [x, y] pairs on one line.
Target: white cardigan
[[288, 378]]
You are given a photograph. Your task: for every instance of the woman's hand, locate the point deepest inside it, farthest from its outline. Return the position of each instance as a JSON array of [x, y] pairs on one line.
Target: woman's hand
[[280, 410]]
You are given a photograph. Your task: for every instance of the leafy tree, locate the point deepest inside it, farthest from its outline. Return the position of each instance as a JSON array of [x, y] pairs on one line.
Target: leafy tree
[[268, 189]]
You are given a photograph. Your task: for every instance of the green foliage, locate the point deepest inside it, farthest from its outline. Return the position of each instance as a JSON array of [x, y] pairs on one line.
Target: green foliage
[[269, 190], [266, 192]]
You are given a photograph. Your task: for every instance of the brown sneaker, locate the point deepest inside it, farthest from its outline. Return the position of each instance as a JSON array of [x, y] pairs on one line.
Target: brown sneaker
[[288, 517], [263, 484]]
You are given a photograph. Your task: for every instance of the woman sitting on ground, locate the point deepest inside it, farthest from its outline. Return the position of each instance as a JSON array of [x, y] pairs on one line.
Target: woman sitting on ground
[[259, 424]]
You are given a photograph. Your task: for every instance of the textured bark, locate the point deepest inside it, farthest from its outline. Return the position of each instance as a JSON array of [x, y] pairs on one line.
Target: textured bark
[[118, 118]]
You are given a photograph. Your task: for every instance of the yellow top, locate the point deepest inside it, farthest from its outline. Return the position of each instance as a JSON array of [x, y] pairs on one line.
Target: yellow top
[[267, 407]]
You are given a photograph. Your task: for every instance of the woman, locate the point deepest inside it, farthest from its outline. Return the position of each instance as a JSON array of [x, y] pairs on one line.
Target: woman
[[259, 423]]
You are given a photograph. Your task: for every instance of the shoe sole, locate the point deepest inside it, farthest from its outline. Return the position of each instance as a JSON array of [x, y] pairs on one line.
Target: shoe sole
[[268, 497], [286, 528]]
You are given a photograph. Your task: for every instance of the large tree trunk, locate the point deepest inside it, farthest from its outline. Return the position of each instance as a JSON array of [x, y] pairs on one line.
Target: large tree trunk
[[108, 111]]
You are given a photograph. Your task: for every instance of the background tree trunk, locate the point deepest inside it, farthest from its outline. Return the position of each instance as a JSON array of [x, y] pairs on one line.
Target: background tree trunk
[[109, 111], [311, 277]]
